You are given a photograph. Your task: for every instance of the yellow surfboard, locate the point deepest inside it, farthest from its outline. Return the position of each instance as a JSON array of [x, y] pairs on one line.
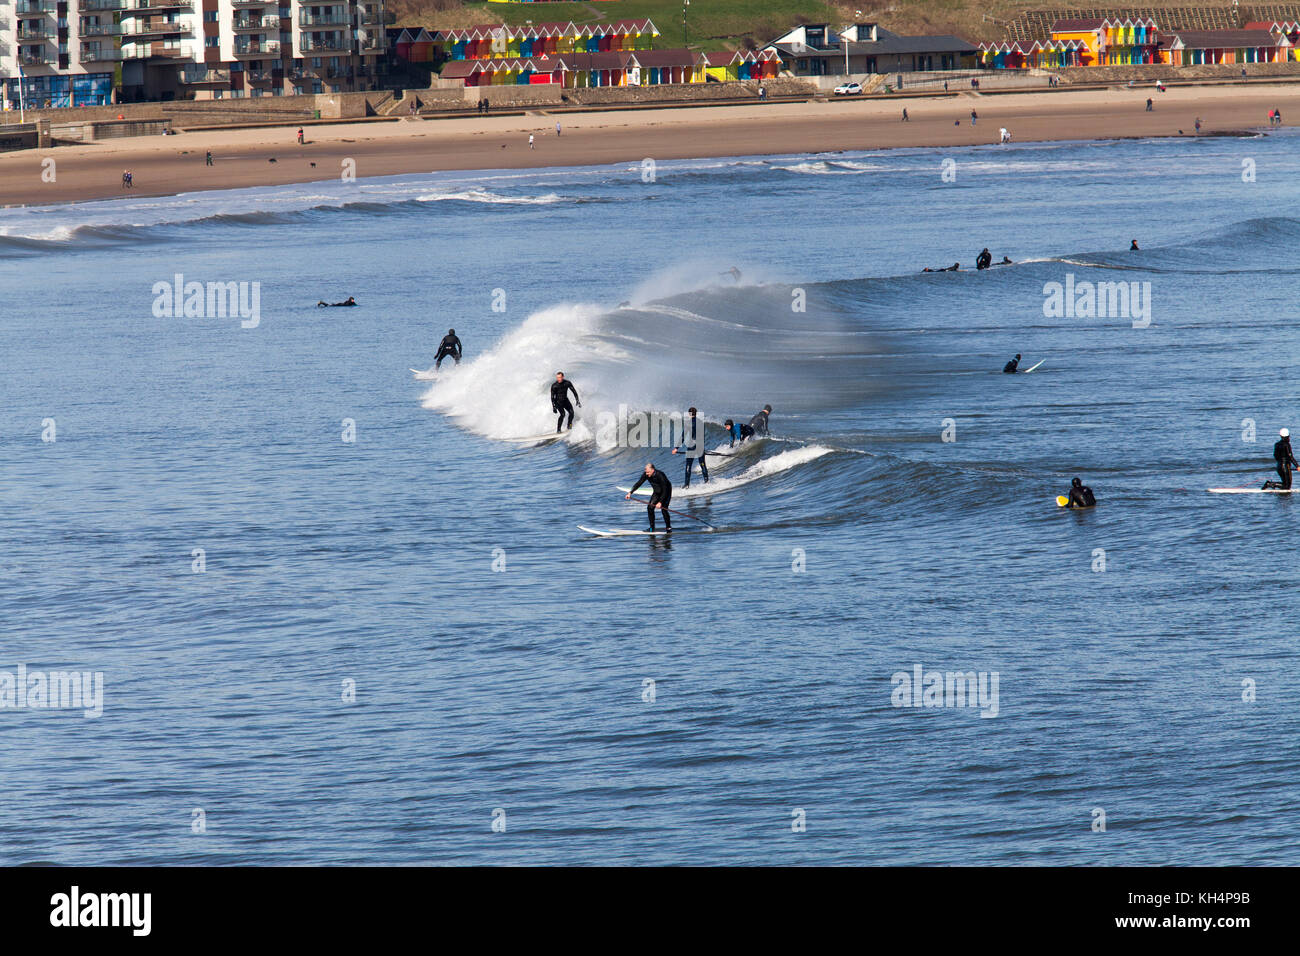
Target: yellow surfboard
[[1062, 500]]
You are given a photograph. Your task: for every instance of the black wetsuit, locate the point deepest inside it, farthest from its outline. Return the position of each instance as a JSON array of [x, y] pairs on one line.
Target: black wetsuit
[[1285, 459], [758, 424], [693, 447], [1011, 367], [560, 401], [663, 494], [1081, 496], [450, 346], [983, 260]]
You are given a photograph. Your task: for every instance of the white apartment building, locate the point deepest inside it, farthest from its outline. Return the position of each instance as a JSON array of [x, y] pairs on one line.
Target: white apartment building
[[92, 52]]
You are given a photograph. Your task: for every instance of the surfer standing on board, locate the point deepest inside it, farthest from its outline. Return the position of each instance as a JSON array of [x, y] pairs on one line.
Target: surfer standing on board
[[693, 447], [1285, 459], [449, 346], [663, 494], [560, 389]]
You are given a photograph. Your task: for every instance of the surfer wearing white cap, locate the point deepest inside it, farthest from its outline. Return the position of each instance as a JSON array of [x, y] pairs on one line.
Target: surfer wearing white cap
[[1285, 459]]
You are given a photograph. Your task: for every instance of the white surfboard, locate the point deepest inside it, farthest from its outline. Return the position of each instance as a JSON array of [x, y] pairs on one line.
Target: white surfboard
[[1250, 491], [536, 439], [1032, 367], [618, 532]]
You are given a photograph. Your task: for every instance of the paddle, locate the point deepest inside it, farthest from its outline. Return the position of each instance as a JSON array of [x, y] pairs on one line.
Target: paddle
[[682, 514]]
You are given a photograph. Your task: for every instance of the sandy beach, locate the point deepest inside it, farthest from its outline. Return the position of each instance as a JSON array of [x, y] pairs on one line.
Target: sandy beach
[[163, 165]]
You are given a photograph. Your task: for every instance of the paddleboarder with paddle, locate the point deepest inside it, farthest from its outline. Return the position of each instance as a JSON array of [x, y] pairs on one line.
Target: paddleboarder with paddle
[[663, 494]]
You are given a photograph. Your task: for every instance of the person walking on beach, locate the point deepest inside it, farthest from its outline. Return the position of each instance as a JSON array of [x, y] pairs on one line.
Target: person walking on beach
[[973, 117], [530, 141], [300, 137], [692, 447], [557, 129], [126, 180], [663, 494], [208, 159], [1243, 74], [905, 119], [1277, 115], [560, 389], [1148, 104], [1198, 124]]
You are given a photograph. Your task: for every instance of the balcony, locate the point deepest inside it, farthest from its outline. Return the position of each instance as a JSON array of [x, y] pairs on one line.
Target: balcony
[[336, 42], [144, 51], [373, 44], [34, 7], [266, 48], [101, 4], [138, 28], [99, 29], [94, 53], [32, 58], [252, 3], [185, 5], [306, 19], [33, 33], [256, 24], [372, 19], [199, 77], [258, 76]]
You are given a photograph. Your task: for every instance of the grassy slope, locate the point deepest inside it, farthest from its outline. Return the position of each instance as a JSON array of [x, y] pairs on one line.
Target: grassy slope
[[730, 23]]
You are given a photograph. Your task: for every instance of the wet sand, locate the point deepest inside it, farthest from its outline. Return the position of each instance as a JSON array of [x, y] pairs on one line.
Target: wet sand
[[164, 165]]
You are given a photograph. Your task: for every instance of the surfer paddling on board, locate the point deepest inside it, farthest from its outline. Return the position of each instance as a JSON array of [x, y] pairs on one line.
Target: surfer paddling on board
[[1010, 367], [737, 433], [448, 347], [663, 494], [1081, 495], [560, 389], [693, 447], [1285, 459]]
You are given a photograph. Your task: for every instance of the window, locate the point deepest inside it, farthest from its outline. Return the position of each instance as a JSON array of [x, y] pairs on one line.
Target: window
[[212, 42]]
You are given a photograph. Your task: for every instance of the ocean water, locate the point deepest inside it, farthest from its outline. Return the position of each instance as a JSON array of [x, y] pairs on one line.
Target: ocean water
[[243, 527]]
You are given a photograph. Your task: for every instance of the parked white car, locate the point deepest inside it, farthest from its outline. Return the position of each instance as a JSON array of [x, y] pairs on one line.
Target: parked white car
[[848, 89]]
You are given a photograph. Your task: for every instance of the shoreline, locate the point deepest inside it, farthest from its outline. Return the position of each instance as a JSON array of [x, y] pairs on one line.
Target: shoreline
[[269, 156]]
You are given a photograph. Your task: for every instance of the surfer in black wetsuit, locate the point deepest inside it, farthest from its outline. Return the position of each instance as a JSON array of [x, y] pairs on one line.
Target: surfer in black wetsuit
[[348, 301], [1081, 495], [662, 495], [1285, 459], [1133, 246], [984, 260], [759, 422], [450, 346], [1006, 261], [693, 447], [1011, 367], [560, 389]]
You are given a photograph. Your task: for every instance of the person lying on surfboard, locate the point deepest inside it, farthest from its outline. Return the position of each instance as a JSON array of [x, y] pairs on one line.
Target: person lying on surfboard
[[663, 494], [1285, 459], [1081, 495], [326, 305], [1010, 367]]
